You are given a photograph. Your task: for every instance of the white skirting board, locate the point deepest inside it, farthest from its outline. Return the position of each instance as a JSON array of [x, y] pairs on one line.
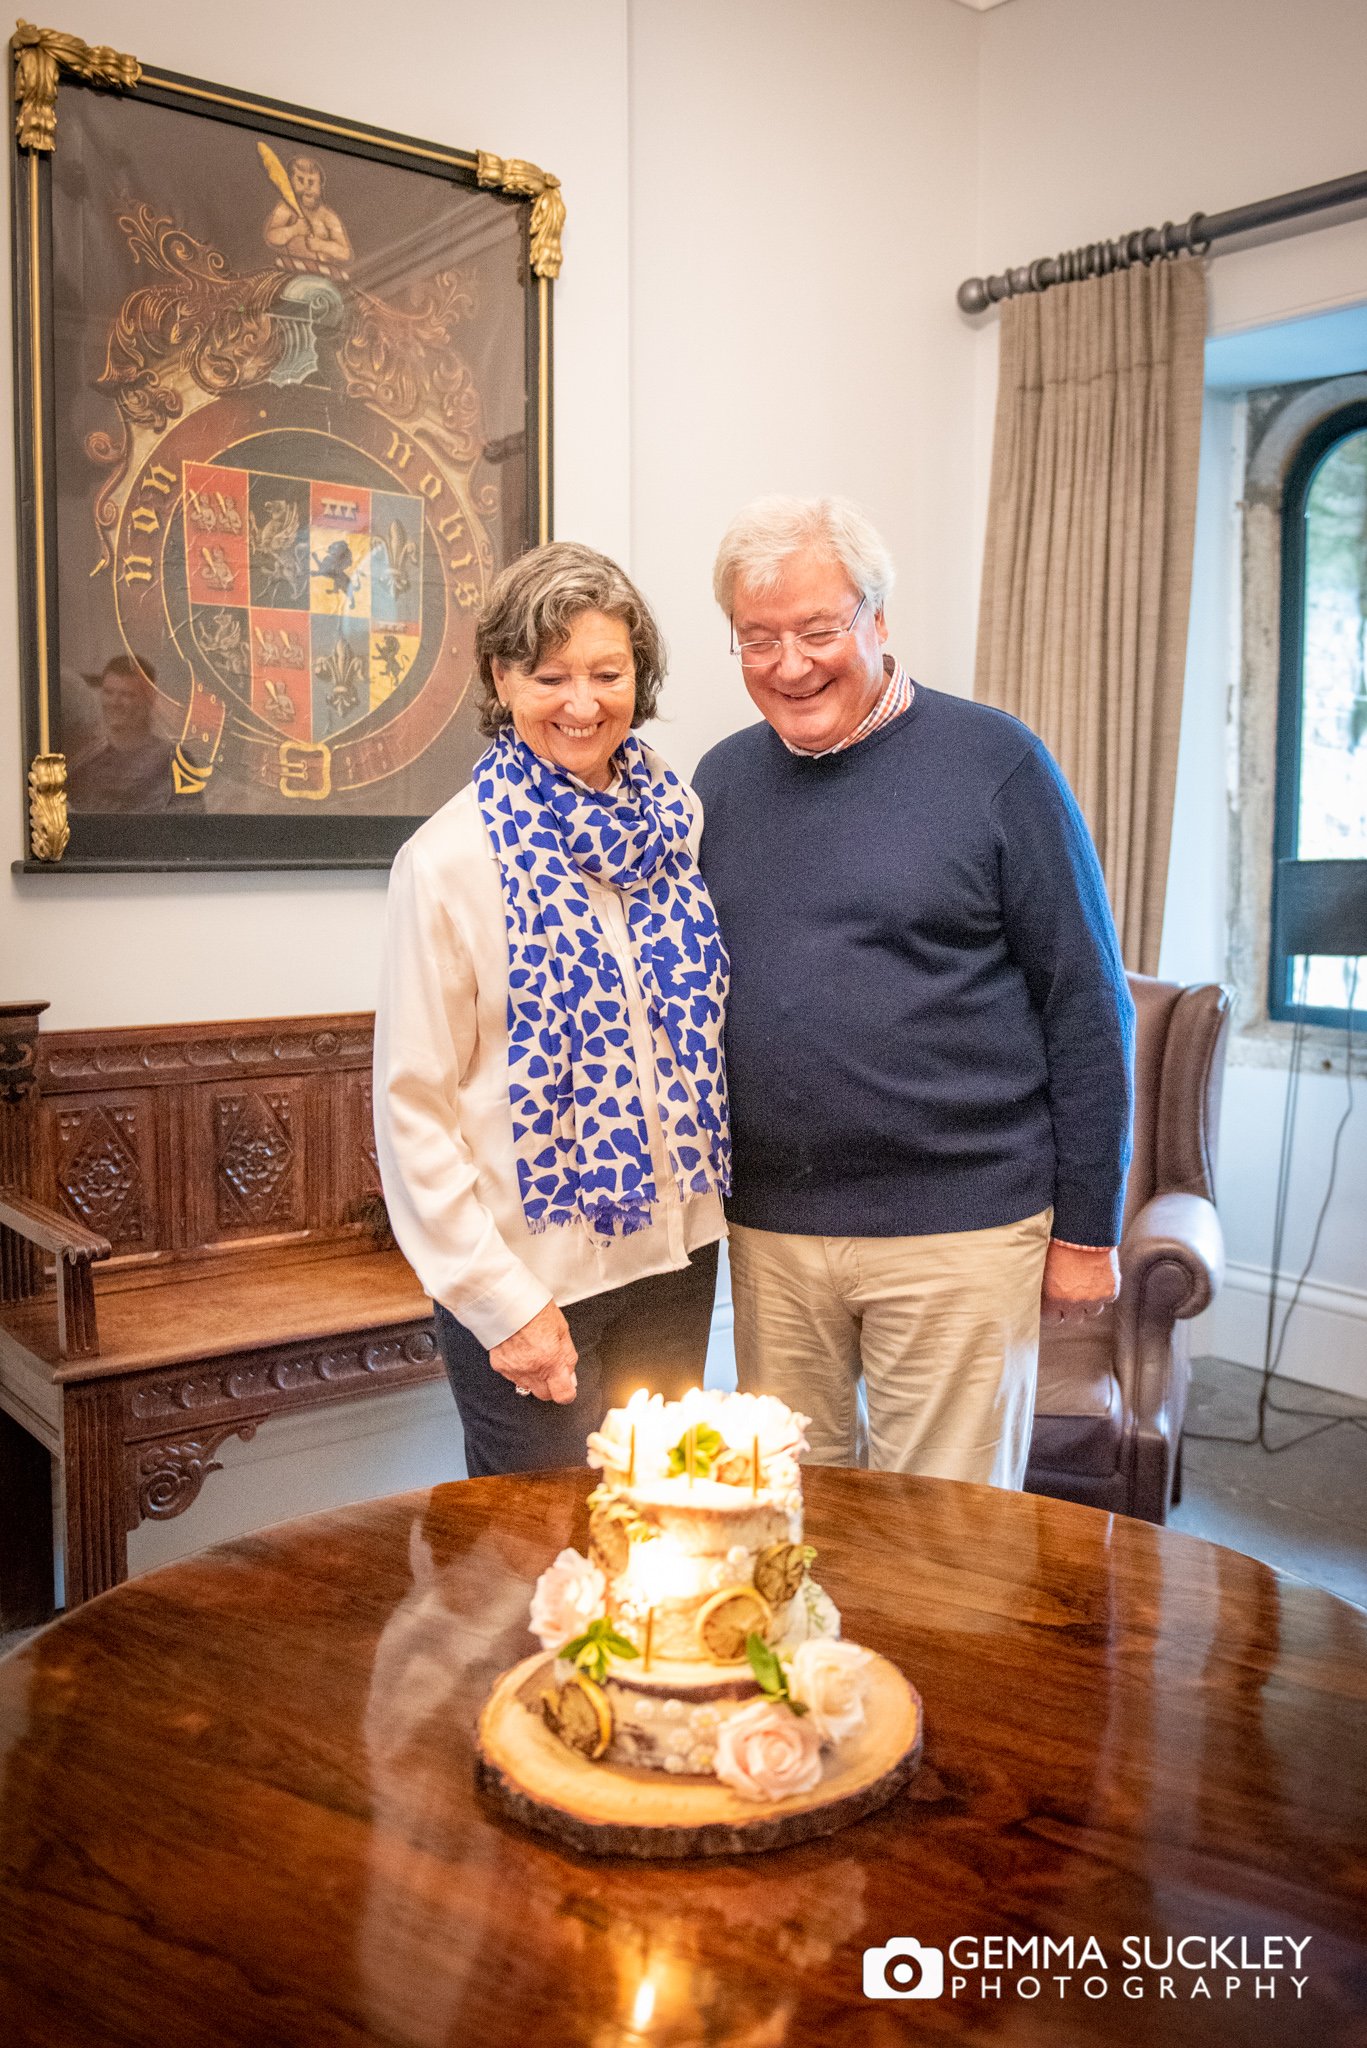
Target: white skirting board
[[1326, 1340]]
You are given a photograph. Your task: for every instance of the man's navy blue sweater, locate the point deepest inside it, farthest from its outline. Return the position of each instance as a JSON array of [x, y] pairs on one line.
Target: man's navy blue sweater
[[929, 1026]]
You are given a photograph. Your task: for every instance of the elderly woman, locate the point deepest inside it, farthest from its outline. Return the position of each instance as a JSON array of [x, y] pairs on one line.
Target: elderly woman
[[550, 1103]]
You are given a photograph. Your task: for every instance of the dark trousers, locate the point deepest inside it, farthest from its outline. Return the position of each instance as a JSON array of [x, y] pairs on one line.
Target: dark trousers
[[651, 1333]]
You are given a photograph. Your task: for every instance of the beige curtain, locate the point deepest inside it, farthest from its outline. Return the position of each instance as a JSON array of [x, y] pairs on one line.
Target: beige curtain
[[1087, 577]]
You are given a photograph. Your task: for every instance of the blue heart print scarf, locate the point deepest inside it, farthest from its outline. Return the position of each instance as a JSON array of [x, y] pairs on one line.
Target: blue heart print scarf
[[579, 1130]]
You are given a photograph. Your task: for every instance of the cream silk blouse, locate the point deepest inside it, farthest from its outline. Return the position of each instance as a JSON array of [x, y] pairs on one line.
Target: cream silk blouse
[[442, 1125]]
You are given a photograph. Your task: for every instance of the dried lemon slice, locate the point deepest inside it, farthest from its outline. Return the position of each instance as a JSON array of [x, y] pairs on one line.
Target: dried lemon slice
[[779, 1570], [727, 1619], [580, 1715]]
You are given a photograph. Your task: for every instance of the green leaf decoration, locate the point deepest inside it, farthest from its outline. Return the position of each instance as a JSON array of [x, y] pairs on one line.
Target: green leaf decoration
[[590, 1652], [770, 1674], [768, 1671], [708, 1444]]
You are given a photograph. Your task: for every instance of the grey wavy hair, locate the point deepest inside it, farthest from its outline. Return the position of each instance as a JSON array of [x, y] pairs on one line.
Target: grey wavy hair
[[762, 537], [531, 609]]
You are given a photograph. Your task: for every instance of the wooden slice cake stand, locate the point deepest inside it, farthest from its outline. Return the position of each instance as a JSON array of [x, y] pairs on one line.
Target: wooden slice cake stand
[[611, 1810]]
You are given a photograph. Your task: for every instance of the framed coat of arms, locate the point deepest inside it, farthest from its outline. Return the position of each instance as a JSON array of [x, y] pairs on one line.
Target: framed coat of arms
[[283, 413]]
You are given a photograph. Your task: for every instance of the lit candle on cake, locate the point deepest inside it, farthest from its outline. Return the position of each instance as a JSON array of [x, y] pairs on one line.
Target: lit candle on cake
[[754, 1468], [650, 1636]]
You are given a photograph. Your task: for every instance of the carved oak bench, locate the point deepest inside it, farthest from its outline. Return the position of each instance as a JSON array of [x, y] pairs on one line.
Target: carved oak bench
[[192, 1240]]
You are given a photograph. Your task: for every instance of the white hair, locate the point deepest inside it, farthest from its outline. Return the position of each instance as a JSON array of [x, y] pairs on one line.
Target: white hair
[[766, 533]]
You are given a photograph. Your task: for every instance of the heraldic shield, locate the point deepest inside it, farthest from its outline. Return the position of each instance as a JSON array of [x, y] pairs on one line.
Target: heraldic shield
[[304, 598]]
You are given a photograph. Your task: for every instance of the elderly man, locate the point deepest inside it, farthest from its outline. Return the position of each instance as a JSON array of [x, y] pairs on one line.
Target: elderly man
[[929, 1035]]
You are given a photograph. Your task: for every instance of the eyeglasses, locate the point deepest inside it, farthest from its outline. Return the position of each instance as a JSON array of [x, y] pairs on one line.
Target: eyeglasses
[[768, 653]]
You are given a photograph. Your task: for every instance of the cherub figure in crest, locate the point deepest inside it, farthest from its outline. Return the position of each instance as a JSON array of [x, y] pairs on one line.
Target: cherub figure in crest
[[215, 569]]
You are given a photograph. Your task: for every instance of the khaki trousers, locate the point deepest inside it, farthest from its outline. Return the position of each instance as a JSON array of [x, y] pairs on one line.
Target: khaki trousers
[[943, 1330]]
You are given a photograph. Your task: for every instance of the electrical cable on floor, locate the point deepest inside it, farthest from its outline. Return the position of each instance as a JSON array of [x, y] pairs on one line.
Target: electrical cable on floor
[[1272, 1354], [1272, 1363]]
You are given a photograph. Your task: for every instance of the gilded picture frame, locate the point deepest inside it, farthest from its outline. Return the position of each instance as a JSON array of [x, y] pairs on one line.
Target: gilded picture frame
[[283, 411]]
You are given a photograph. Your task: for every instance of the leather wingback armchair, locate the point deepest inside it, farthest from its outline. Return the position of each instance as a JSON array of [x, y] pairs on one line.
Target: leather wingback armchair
[[1113, 1390]]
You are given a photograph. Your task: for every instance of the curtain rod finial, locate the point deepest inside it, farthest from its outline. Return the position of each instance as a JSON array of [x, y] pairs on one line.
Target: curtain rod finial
[[972, 296]]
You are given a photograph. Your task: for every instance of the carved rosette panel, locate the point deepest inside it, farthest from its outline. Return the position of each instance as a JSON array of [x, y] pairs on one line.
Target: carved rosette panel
[[100, 1176], [165, 1477], [286, 1380], [255, 1160]]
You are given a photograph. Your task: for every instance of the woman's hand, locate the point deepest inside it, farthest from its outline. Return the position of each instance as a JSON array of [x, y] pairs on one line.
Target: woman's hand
[[1078, 1282], [540, 1357]]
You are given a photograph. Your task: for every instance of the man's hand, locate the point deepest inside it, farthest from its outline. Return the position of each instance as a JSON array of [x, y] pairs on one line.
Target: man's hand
[[1078, 1282], [540, 1357]]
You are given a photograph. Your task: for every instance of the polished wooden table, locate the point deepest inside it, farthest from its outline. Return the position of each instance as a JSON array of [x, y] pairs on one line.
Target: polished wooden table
[[237, 1803]]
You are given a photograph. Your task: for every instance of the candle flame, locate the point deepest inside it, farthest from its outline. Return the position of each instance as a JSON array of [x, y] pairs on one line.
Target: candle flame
[[643, 2005]]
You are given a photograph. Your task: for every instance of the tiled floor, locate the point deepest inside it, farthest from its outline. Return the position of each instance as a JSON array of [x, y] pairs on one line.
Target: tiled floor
[[1303, 1510]]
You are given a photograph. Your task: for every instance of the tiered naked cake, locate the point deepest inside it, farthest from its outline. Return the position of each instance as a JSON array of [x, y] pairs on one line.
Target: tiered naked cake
[[693, 1694]]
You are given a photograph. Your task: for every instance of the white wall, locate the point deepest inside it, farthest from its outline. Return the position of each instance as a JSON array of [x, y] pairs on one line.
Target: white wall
[[1095, 120], [802, 208]]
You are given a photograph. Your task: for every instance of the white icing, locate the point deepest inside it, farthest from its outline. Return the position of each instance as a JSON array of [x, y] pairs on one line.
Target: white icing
[[640, 1437]]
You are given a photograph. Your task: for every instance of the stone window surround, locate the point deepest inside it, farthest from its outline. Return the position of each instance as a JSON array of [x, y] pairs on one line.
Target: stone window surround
[[1278, 421]]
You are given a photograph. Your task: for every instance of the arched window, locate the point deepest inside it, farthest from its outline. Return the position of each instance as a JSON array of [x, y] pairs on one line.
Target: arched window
[[1321, 801]]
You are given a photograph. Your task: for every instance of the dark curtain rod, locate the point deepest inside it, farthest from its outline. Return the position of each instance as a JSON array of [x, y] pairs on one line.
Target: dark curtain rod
[[976, 294]]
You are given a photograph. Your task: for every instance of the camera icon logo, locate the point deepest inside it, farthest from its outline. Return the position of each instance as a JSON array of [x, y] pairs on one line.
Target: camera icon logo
[[903, 1968]]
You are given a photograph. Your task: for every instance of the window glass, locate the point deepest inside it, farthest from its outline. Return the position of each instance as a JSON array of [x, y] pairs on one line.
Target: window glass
[[1330, 821], [1331, 817]]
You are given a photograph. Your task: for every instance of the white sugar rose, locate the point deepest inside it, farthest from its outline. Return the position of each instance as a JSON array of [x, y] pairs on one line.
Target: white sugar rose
[[569, 1595], [766, 1751], [743, 1417], [829, 1678]]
